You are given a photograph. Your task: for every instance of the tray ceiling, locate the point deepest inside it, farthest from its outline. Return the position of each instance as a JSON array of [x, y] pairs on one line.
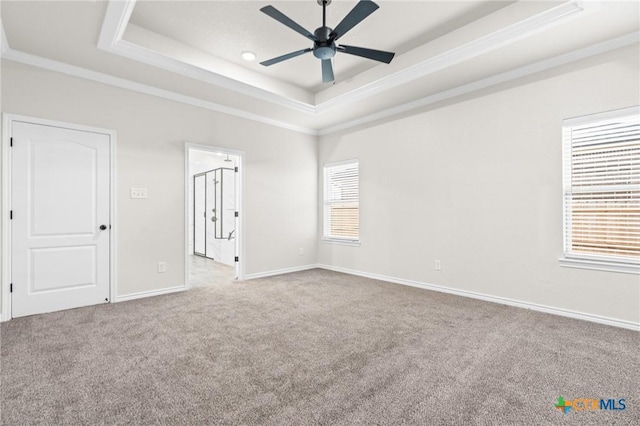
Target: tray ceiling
[[189, 51], [224, 29]]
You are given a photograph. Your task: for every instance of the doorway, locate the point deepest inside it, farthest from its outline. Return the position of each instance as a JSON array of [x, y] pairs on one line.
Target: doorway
[[59, 230], [213, 185]]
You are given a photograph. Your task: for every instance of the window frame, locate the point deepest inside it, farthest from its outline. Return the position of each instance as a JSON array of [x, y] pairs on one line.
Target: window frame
[[569, 258], [326, 237]]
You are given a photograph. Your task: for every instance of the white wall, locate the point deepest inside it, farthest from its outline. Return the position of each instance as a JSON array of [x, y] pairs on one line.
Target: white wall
[[280, 172], [475, 183], [478, 184]]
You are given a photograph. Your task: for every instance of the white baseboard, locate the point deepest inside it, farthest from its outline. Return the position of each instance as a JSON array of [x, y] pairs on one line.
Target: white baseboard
[[5, 316], [495, 299], [149, 293], [280, 271]]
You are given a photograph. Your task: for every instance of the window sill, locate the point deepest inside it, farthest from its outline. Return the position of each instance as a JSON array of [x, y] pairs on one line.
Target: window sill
[[600, 265], [355, 243]]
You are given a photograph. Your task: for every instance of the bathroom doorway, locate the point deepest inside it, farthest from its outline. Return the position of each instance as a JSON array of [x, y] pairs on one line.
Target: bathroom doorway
[[213, 187]]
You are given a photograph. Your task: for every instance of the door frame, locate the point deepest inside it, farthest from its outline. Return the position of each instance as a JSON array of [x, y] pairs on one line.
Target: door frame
[[5, 279], [240, 252]]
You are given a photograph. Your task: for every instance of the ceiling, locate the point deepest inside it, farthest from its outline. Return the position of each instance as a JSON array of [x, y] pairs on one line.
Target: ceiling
[[189, 51], [225, 29]]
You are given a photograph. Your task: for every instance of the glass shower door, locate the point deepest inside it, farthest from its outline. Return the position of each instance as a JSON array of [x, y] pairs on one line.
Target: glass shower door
[[199, 215]]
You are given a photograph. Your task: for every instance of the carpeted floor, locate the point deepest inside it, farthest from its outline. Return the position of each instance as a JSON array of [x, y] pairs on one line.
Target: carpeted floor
[[313, 347]]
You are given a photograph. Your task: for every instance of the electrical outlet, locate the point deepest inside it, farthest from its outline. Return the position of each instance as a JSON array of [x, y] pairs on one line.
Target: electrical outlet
[[162, 267], [138, 192], [438, 265], [301, 251]]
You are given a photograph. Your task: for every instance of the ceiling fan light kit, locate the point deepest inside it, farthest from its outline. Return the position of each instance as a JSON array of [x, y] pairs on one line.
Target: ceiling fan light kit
[[324, 38]]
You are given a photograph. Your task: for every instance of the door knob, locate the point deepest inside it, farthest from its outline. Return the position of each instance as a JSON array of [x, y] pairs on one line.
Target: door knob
[[103, 227]]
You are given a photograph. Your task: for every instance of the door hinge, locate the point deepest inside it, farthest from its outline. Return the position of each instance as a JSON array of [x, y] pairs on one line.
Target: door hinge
[[237, 259], [237, 214], [236, 169], [10, 214], [10, 141], [11, 288]]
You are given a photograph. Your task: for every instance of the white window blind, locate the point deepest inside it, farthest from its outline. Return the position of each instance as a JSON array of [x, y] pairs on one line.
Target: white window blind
[[341, 201], [602, 186]]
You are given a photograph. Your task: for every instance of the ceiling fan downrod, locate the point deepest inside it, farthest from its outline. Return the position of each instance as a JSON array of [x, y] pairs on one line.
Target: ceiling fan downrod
[[324, 47]]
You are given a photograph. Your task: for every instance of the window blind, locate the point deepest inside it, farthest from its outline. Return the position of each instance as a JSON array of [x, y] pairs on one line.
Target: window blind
[[341, 201], [602, 188]]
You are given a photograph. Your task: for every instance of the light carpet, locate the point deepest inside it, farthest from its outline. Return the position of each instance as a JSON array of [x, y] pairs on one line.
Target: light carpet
[[312, 348]]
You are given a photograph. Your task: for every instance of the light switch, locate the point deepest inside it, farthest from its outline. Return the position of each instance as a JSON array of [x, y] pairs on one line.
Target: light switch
[[138, 192]]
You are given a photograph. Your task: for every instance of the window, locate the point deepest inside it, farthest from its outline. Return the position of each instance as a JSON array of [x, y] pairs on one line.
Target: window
[[602, 191], [341, 202]]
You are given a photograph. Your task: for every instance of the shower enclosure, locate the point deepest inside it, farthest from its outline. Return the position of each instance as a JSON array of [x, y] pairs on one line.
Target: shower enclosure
[[214, 218]]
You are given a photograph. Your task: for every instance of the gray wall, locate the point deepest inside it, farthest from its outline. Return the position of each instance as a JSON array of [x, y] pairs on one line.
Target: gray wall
[[478, 184], [280, 172]]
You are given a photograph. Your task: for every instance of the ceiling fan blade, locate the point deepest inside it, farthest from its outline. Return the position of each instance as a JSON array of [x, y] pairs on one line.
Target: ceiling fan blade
[[285, 57], [284, 19], [361, 10], [327, 71], [376, 55]]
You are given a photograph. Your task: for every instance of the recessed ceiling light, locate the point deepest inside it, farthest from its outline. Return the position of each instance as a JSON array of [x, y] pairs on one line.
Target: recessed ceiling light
[[248, 55]]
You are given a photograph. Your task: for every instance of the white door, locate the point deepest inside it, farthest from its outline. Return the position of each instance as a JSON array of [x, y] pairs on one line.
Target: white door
[[60, 218]]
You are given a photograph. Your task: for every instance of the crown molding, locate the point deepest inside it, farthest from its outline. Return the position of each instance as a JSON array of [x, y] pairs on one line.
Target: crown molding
[[603, 47], [115, 22], [110, 40], [119, 13], [576, 55], [147, 56], [49, 64], [113, 27], [473, 49]]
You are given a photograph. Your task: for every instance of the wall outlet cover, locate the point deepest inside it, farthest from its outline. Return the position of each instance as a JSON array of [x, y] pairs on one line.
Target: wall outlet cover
[[139, 193], [438, 265]]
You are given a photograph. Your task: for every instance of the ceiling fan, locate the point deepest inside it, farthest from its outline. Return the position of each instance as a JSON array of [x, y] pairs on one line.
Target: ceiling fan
[[324, 38]]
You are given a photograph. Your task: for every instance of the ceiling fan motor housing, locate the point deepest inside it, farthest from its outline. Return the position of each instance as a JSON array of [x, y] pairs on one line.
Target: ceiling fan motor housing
[[324, 47]]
